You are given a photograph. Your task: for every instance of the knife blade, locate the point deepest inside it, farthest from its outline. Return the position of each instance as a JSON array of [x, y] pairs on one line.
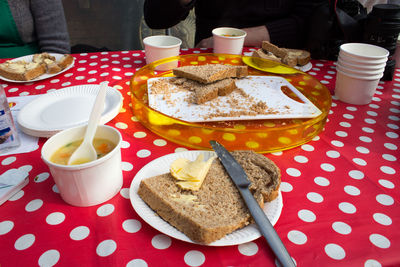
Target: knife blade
[[240, 179]]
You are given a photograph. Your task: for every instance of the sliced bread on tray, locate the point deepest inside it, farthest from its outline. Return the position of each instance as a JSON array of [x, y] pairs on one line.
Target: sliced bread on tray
[[210, 72], [217, 209], [206, 92]]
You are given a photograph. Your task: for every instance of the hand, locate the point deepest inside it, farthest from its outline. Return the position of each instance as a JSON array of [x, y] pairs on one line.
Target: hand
[[255, 36], [207, 43]]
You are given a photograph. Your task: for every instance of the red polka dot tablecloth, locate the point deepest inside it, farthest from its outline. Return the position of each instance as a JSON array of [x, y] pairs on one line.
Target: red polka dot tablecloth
[[341, 201]]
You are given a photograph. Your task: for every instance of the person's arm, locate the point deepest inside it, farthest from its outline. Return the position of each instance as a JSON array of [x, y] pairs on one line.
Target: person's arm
[[256, 35], [163, 14], [50, 26]]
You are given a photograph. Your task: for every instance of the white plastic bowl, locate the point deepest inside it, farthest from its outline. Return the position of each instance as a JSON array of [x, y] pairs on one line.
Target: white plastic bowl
[[90, 183], [363, 51], [361, 66], [359, 72], [354, 90]]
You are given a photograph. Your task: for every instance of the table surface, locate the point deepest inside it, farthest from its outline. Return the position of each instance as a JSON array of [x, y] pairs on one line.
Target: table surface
[[341, 202]]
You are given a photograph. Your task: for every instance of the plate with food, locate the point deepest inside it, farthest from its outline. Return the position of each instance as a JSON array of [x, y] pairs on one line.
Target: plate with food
[[50, 113], [204, 94], [165, 194], [35, 67], [274, 59]]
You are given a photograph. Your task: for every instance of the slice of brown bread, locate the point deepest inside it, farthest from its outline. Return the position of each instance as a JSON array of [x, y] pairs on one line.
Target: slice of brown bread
[[210, 72], [217, 209], [33, 70], [302, 56], [290, 61], [206, 92], [291, 57], [262, 54], [277, 51], [51, 66], [13, 70], [21, 70]]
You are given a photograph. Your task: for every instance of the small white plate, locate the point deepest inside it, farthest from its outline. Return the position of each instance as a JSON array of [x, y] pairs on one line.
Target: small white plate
[[161, 165], [236, 105], [304, 68], [66, 108], [43, 76]]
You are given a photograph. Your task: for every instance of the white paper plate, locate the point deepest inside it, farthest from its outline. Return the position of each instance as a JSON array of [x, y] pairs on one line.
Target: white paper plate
[[161, 165], [43, 76], [266, 89], [66, 108]]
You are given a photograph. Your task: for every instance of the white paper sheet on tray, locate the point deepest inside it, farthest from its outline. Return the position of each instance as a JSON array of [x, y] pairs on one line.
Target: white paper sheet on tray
[[236, 106]]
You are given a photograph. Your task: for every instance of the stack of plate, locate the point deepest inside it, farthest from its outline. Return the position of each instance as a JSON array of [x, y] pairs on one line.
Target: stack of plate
[[65, 108]]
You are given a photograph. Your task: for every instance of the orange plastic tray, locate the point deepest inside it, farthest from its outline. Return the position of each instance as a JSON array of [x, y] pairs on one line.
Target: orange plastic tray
[[259, 135]]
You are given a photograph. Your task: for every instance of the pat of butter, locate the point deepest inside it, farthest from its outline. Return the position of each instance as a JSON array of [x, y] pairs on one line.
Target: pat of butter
[[191, 174]]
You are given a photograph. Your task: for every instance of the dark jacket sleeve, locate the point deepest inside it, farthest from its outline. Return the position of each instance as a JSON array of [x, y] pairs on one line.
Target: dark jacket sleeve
[[291, 31], [163, 14], [50, 26]]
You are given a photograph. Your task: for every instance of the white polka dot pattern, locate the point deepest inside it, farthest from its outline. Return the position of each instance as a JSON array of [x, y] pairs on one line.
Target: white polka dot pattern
[[340, 189]]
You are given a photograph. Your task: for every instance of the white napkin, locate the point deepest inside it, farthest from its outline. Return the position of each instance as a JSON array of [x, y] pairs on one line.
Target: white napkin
[[11, 182]]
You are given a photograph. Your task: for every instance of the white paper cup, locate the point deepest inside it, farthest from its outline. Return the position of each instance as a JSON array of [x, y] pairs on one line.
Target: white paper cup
[[360, 66], [91, 183], [228, 40], [358, 61], [162, 46], [359, 72], [362, 51], [354, 89]]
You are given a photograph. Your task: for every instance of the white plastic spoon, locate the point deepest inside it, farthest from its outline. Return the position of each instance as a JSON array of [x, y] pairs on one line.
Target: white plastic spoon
[[86, 152]]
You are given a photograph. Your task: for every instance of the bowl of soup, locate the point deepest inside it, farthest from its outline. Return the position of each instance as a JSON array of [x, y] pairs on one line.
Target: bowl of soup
[[85, 183]]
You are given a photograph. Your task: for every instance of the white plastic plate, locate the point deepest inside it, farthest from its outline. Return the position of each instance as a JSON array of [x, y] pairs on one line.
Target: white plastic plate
[[66, 108], [43, 76]]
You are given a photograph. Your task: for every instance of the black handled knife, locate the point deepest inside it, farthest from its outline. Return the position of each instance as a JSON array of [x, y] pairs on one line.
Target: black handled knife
[[241, 181]]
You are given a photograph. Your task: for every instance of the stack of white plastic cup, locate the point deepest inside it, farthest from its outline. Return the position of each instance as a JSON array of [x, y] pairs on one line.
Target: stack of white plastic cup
[[359, 68]]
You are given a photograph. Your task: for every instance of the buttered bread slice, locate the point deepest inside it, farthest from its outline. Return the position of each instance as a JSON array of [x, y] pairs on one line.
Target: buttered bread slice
[[21, 70], [217, 208]]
